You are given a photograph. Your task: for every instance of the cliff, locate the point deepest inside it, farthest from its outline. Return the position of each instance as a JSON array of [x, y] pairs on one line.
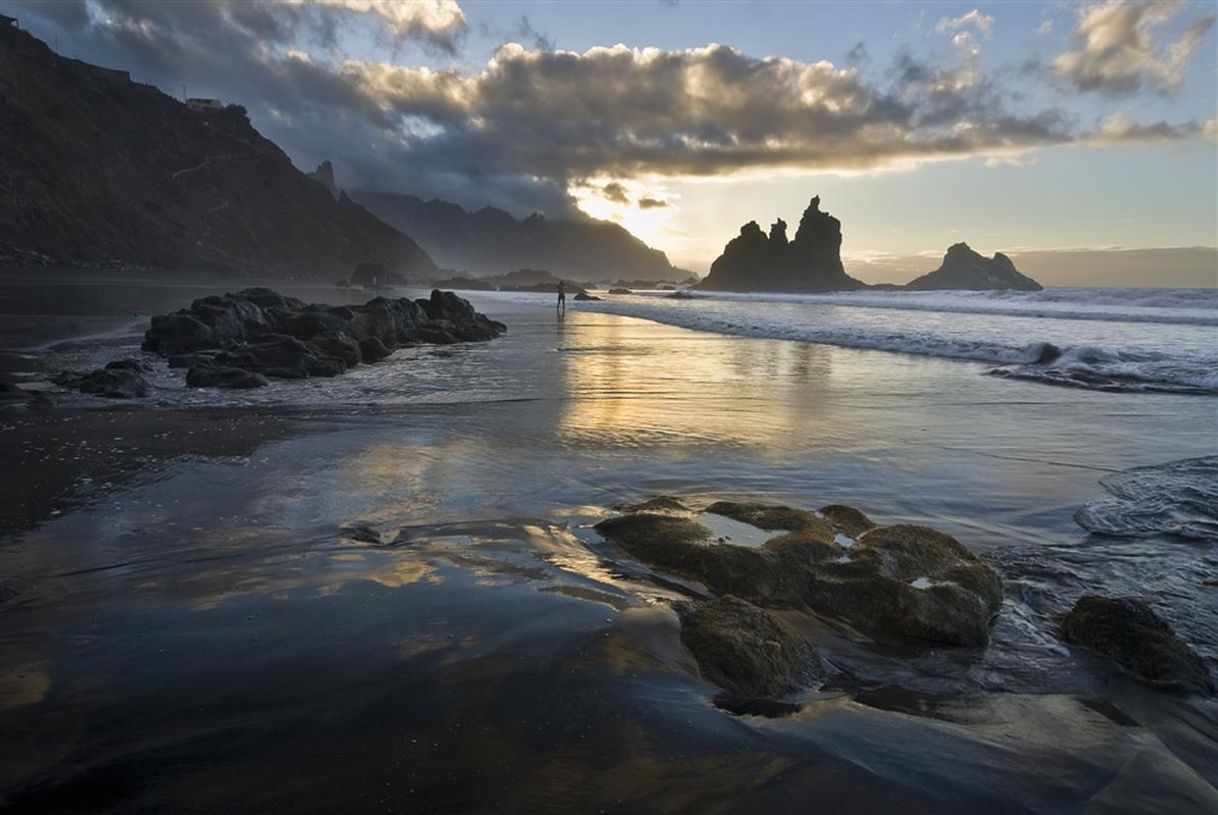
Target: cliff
[[98, 168], [491, 241], [962, 268], [755, 261]]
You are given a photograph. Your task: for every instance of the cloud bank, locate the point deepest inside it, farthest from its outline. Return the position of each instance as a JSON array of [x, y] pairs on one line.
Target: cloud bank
[[530, 124]]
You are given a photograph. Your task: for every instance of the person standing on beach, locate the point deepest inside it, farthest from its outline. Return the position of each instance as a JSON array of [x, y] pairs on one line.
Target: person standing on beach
[[562, 297]]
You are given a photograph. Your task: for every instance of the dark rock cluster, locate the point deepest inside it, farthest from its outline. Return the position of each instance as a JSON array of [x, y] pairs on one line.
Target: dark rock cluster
[[811, 262], [893, 583], [243, 339]]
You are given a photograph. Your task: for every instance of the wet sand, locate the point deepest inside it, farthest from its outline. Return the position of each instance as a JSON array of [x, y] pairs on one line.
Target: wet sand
[[384, 593]]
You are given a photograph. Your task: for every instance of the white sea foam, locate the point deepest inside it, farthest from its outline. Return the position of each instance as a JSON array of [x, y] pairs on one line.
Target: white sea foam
[[1105, 339], [1170, 306], [1177, 498]]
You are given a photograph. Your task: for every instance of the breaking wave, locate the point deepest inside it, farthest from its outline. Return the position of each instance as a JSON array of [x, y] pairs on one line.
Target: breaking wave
[[1178, 498], [1154, 340]]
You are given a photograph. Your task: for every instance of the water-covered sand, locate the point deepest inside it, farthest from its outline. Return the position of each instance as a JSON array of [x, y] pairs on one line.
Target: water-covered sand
[[382, 591]]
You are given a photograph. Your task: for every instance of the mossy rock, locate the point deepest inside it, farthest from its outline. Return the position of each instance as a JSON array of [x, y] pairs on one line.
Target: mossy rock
[[1129, 632], [744, 649], [894, 582], [910, 581], [847, 520], [773, 517], [663, 503], [686, 548]]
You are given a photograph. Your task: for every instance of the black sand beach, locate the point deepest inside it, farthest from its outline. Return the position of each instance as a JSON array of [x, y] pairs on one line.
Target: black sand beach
[[383, 591]]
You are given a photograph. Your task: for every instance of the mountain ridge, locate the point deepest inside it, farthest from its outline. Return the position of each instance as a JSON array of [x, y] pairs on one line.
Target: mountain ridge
[[102, 169], [491, 241]]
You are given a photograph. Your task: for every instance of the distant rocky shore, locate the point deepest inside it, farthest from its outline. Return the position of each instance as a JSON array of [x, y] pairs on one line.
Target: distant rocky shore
[[245, 338]]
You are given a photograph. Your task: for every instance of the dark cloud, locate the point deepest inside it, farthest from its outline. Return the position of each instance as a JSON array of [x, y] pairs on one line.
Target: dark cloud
[[651, 203], [523, 32], [614, 192]]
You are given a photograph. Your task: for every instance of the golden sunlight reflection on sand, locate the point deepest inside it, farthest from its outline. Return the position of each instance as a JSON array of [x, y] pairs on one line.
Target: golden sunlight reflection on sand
[[631, 382]]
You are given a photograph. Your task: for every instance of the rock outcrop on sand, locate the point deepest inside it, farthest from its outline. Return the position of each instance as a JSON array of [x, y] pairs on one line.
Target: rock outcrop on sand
[[1130, 633], [811, 262], [891, 582], [238, 339], [963, 268]]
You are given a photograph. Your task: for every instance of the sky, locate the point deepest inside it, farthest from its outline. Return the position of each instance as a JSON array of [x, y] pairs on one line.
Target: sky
[[1017, 127]]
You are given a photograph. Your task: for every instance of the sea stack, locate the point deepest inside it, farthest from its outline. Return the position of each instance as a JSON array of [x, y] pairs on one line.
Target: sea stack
[[811, 262], [963, 268]]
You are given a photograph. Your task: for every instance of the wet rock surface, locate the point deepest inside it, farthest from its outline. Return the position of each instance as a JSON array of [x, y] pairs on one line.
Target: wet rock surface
[[1129, 632], [911, 581], [745, 649], [895, 582], [114, 383], [266, 334], [209, 376]]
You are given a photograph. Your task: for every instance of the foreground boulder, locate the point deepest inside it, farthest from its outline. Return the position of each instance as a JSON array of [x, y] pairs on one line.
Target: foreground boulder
[[1130, 633], [913, 581], [262, 332], [744, 649], [891, 582], [965, 269]]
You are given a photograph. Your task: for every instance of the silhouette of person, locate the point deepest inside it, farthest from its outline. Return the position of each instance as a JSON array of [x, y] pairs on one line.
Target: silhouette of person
[[562, 297]]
